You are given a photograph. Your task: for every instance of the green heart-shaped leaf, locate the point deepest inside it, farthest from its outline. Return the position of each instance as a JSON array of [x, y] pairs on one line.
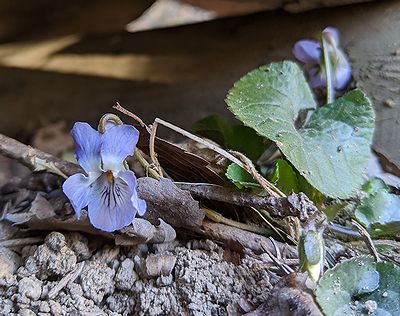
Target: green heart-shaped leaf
[[380, 210], [332, 150], [360, 286]]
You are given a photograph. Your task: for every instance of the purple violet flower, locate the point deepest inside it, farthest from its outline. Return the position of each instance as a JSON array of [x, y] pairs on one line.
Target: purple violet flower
[[109, 189], [310, 53]]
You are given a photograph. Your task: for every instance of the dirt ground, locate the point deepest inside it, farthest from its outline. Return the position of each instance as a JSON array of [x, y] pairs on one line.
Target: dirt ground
[[68, 274]]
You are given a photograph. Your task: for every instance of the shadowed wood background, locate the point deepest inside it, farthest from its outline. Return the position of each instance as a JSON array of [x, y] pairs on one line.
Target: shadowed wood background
[[182, 74]]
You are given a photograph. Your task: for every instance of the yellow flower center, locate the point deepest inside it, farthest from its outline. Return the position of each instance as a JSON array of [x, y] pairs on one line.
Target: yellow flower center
[[109, 175]]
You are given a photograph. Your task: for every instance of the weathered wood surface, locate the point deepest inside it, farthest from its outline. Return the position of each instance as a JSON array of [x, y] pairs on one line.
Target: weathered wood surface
[[183, 74], [43, 18], [232, 7]]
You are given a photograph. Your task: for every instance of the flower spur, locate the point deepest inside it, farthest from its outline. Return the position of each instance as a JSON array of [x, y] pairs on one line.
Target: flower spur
[[109, 189]]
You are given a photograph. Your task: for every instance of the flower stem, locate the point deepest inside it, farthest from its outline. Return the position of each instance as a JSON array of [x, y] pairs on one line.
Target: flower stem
[[330, 90], [138, 155]]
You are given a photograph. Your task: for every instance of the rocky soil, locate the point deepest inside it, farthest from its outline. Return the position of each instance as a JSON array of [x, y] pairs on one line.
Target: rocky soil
[[70, 274]]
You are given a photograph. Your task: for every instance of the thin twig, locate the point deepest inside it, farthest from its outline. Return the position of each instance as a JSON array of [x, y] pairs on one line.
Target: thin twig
[[367, 239], [278, 258], [69, 278], [232, 235], [277, 230], [243, 161], [35, 159], [278, 207], [152, 131], [153, 154], [339, 229], [121, 109], [21, 241], [200, 140], [249, 167], [218, 218]]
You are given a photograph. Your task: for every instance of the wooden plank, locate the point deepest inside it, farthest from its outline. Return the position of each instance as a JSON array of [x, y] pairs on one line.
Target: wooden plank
[[45, 18], [183, 74]]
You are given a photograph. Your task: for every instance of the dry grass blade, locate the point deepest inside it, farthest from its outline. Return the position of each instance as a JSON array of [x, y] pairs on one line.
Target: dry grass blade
[[121, 109], [367, 239], [180, 164], [243, 161], [249, 167]]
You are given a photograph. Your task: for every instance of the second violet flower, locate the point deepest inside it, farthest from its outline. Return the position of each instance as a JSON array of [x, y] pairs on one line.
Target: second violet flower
[[109, 189], [310, 53]]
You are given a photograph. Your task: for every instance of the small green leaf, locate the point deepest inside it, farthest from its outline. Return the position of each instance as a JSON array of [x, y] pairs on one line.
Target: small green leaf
[[236, 137], [213, 127], [240, 177], [289, 180], [345, 289], [332, 150], [380, 213], [285, 177], [374, 185], [245, 140]]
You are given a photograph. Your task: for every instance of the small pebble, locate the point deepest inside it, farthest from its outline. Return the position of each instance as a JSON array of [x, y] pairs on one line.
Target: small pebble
[[389, 103], [26, 312], [30, 287], [371, 306]]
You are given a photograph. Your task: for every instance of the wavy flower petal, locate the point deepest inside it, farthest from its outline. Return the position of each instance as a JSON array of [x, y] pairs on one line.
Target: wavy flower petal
[[139, 204], [87, 146], [76, 189], [118, 142], [110, 204], [307, 51]]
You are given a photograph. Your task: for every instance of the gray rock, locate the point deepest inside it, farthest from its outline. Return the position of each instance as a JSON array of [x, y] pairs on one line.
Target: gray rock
[[121, 303], [55, 308], [153, 300], [165, 280], [79, 244], [55, 241], [30, 287], [54, 258], [44, 307], [28, 251], [107, 254], [9, 262], [126, 275], [26, 312], [8, 281], [97, 281], [6, 307], [183, 281]]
